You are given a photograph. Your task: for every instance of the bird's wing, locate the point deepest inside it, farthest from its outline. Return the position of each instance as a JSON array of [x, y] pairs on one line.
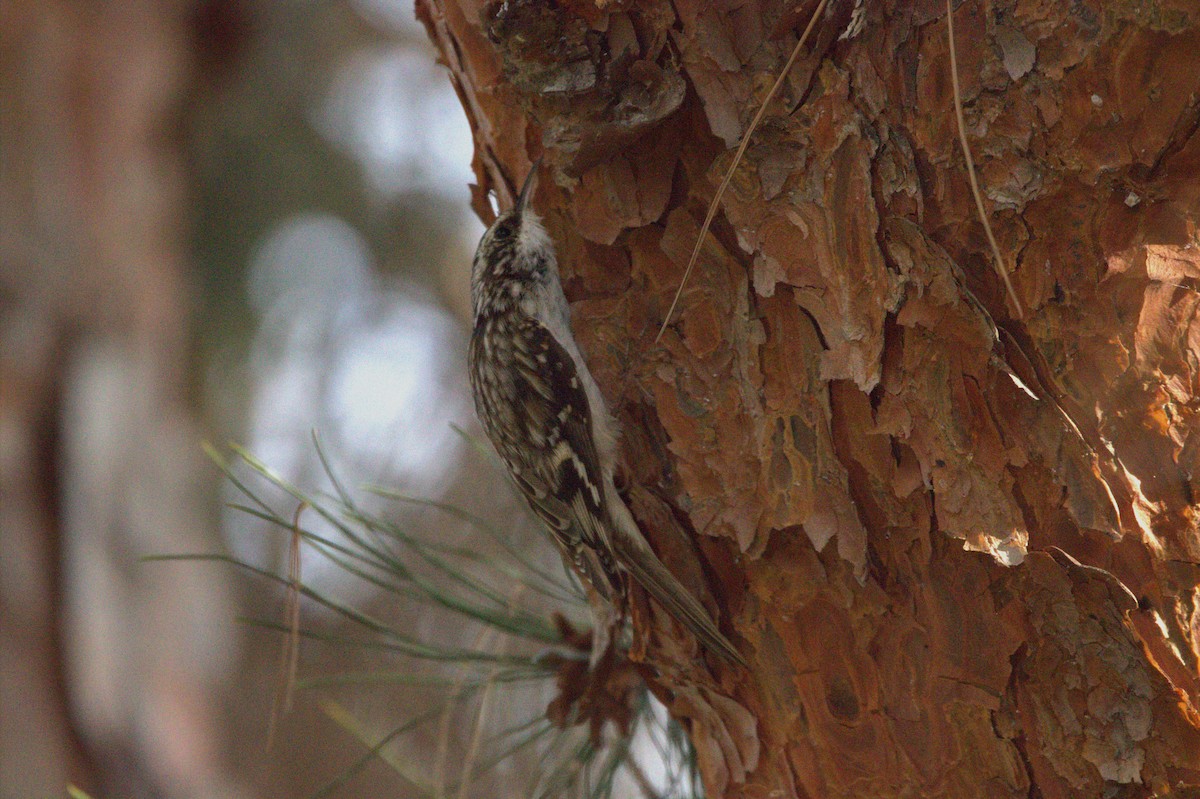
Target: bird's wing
[[537, 415], [533, 404]]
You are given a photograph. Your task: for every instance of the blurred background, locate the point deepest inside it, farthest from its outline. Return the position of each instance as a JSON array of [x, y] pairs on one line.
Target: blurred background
[[220, 221]]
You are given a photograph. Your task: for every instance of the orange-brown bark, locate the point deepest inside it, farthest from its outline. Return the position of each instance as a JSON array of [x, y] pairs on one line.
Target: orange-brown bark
[[958, 544]]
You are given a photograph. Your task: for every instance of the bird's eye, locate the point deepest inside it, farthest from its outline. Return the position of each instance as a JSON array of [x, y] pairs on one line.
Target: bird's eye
[[503, 232]]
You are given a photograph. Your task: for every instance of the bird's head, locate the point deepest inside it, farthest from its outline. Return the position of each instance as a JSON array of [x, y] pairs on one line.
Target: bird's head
[[516, 246]]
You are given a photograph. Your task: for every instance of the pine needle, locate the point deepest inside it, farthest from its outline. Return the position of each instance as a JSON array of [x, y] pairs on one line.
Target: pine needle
[[289, 656], [476, 680], [737, 159], [962, 138]]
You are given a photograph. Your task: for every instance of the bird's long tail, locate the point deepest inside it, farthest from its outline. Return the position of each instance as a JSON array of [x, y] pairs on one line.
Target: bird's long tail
[[635, 554], [651, 574]]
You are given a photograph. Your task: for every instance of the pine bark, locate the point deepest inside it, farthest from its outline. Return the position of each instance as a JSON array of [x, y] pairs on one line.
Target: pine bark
[[957, 540]]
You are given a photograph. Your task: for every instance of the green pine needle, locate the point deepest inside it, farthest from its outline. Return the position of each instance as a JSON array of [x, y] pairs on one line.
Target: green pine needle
[[464, 585]]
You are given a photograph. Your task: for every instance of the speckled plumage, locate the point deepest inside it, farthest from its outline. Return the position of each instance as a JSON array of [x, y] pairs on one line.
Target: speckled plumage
[[546, 417], [535, 411]]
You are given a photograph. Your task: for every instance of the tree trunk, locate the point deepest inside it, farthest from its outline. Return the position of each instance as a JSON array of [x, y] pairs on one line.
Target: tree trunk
[[955, 537], [107, 664]]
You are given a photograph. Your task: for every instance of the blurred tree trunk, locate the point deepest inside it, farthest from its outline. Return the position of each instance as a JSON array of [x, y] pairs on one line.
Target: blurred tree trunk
[[961, 555], [103, 681]]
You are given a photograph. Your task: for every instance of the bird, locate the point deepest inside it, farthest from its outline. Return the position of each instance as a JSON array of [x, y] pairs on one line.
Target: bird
[[544, 414]]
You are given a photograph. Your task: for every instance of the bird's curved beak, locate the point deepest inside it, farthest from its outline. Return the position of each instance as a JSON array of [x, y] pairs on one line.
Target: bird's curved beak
[[526, 195]]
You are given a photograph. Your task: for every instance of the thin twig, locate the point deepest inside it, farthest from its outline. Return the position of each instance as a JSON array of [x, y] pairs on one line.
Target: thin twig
[[737, 159], [482, 641], [962, 138], [485, 702], [469, 761]]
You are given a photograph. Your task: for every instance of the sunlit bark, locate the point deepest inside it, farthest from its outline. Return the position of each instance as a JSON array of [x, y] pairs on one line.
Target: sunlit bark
[[961, 554]]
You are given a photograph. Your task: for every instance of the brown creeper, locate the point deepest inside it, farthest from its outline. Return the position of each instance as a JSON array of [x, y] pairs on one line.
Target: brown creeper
[[543, 412]]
